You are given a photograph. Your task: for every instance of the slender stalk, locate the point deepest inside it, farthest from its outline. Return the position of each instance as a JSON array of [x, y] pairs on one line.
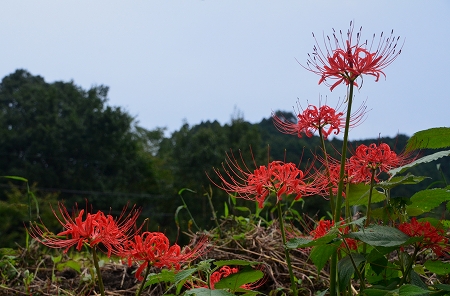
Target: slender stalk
[[286, 251], [99, 274], [147, 271], [325, 158], [337, 207], [369, 203]]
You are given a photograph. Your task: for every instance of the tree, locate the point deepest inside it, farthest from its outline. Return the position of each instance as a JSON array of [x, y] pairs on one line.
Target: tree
[[69, 140]]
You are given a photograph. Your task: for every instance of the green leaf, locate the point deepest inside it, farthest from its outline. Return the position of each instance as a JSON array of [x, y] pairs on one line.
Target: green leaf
[[424, 159], [303, 242], [346, 268], [411, 290], [433, 138], [15, 178], [235, 281], [438, 267], [426, 200], [320, 255], [375, 292], [207, 292], [359, 195], [382, 236], [165, 275], [184, 274], [235, 262], [71, 264], [409, 179]]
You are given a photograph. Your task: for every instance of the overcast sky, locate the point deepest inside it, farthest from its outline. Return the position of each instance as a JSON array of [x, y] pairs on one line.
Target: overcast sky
[[172, 61]]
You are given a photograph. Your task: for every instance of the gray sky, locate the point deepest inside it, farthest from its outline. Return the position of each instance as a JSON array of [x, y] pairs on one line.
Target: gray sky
[[169, 61]]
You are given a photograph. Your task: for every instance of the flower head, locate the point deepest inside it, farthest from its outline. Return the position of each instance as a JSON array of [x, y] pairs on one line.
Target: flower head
[[346, 58], [324, 119], [324, 226], [226, 271], [373, 160], [88, 229], [154, 249], [432, 237], [277, 177]]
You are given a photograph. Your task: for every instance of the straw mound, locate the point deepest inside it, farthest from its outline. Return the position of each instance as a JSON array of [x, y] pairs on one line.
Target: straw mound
[[263, 244]]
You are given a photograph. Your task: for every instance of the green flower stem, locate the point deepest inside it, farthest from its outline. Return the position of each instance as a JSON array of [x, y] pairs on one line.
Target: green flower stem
[[325, 157], [147, 271], [410, 266], [286, 251], [369, 207], [337, 207], [99, 274]]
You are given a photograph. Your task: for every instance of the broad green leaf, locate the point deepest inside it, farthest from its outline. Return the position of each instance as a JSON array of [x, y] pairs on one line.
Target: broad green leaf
[[359, 195], [346, 268], [426, 200], [416, 280], [433, 138], [320, 255], [442, 287], [425, 159], [235, 281], [165, 275], [235, 262], [71, 264], [411, 290], [409, 179], [375, 292], [381, 236], [303, 242], [207, 292], [184, 274], [438, 267]]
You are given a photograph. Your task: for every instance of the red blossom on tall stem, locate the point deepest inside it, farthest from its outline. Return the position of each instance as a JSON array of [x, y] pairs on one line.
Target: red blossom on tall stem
[[324, 119], [277, 177], [373, 160], [88, 229], [346, 58], [154, 249], [324, 226], [432, 237], [226, 271]]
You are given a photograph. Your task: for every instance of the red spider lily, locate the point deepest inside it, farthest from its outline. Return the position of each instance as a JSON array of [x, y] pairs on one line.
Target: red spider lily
[[432, 237], [324, 119], [226, 271], [375, 159], [277, 177], [324, 226], [347, 60], [153, 249], [95, 230]]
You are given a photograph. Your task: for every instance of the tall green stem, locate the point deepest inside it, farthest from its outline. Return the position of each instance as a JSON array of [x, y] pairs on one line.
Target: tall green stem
[[147, 271], [325, 158], [337, 206], [99, 274], [286, 251], [369, 203]]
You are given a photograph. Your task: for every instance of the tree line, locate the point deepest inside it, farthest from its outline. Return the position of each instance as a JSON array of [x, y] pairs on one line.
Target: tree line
[[73, 147]]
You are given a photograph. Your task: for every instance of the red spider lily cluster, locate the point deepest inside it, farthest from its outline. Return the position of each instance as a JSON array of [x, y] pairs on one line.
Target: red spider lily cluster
[[324, 119], [373, 160], [324, 226], [277, 177], [153, 248], [432, 237], [349, 58], [119, 236], [94, 230]]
